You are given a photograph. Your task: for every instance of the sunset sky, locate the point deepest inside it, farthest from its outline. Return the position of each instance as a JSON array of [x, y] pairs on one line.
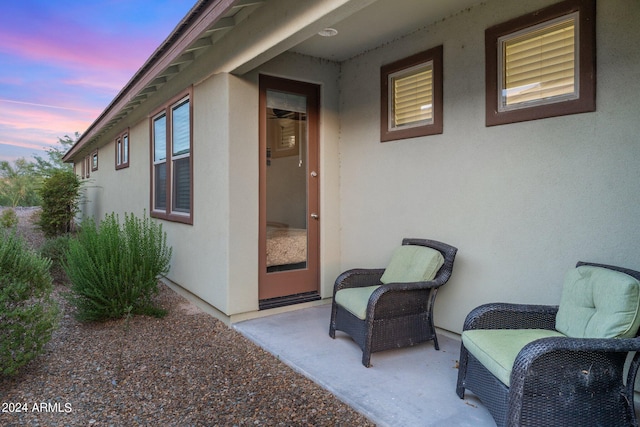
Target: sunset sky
[[63, 61]]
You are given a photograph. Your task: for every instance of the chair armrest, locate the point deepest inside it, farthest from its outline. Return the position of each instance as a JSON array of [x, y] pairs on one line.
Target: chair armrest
[[511, 316], [404, 298], [358, 277], [583, 365]]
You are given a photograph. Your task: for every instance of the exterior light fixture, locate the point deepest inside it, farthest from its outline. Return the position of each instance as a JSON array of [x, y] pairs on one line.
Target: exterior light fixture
[[328, 32]]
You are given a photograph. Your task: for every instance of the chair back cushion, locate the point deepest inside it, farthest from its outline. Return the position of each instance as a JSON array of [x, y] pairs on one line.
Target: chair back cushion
[[598, 302], [412, 263]]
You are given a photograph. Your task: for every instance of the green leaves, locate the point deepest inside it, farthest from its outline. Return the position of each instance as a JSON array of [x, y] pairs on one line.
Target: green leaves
[[28, 315], [60, 194], [114, 268]]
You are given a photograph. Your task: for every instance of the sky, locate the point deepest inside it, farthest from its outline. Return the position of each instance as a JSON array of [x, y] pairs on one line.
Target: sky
[[63, 61]]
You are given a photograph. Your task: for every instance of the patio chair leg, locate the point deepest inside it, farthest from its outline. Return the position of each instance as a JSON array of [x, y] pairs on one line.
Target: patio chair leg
[[366, 359], [462, 371]]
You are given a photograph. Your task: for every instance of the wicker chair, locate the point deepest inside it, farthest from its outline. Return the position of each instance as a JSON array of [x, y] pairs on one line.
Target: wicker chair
[[554, 381], [397, 314]]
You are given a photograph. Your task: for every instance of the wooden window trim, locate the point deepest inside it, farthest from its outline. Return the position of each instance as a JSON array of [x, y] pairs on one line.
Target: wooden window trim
[[168, 214], [121, 150], [435, 55], [586, 102]]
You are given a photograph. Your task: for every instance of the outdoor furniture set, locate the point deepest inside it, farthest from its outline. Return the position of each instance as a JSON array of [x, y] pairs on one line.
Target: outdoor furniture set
[[530, 365]]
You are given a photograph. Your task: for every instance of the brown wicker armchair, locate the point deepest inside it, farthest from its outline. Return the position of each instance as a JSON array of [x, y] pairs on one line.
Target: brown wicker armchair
[[557, 380], [397, 314]]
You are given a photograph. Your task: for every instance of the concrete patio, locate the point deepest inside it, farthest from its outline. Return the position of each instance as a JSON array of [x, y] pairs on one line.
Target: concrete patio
[[405, 387]]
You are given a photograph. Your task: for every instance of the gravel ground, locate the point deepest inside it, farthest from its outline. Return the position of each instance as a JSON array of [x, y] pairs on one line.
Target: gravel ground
[[186, 369]]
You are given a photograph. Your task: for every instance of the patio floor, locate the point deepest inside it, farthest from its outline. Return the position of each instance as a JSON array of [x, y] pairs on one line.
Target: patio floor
[[406, 387]]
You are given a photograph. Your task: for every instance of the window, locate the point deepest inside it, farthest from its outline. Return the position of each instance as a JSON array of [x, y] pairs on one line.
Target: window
[[122, 150], [542, 64], [86, 167], [94, 161], [411, 96], [172, 168]]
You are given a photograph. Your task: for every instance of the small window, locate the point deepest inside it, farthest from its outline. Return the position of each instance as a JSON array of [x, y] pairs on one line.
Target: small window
[[86, 167], [542, 65], [122, 150], [411, 96], [94, 161], [172, 168]]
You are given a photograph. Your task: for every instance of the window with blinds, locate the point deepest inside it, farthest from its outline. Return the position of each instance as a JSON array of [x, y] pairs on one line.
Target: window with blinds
[[181, 145], [172, 167], [411, 96], [160, 162], [542, 64], [539, 64], [122, 150]]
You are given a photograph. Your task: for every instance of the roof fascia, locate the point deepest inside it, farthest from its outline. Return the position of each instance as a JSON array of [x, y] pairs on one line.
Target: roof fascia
[[186, 32]]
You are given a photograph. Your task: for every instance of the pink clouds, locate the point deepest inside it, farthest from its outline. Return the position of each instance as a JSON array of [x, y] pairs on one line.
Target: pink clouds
[[35, 127], [89, 53], [64, 61]]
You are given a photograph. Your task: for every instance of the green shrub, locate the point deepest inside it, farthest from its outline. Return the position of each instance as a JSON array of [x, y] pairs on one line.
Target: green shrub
[[56, 250], [60, 193], [28, 314], [8, 218], [114, 269]]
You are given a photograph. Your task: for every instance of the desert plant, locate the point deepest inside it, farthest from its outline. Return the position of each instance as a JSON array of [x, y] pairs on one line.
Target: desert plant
[[18, 184], [114, 269], [60, 193], [28, 314], [56, 249], [8, 218]]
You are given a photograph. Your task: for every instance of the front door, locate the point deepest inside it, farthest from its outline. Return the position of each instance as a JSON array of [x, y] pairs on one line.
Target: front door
[[289, 206]]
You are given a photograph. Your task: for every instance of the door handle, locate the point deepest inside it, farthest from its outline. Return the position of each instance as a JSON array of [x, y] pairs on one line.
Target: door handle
[[314, 215]]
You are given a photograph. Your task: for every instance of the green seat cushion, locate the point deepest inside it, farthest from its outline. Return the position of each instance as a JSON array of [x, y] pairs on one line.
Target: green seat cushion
[[497, 349], [412, 263], [599, 303], [355, 300]]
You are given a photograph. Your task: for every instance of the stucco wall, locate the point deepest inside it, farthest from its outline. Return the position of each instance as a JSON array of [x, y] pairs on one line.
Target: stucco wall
[[216, 258], [522, 202]]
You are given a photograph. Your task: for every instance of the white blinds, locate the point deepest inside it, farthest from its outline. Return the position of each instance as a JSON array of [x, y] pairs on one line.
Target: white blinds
[[125, 149], [540, 64], [160, 139], [286, 101], [181, 129], [181, 185], [412, 96]]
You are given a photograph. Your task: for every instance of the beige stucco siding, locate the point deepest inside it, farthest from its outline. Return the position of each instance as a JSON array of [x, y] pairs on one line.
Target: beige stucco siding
[[216, 258], [522, 202]]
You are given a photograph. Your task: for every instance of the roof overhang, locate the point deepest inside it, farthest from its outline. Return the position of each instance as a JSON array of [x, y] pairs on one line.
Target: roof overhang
[[244, 39], [195, 31]]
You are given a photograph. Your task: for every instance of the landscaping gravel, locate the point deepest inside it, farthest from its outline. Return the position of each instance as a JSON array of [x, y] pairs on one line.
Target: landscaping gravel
[[186, 369]]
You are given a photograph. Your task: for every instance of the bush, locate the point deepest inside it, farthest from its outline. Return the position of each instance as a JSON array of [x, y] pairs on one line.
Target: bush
[[8, 218], [114, 269], [56, 250], [28, 314], [60, 193]]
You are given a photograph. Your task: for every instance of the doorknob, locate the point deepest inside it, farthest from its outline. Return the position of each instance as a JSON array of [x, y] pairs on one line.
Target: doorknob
[[314, 215]]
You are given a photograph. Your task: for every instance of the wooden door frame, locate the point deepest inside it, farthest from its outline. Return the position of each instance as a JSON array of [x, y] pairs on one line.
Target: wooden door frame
[[287, 283]]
